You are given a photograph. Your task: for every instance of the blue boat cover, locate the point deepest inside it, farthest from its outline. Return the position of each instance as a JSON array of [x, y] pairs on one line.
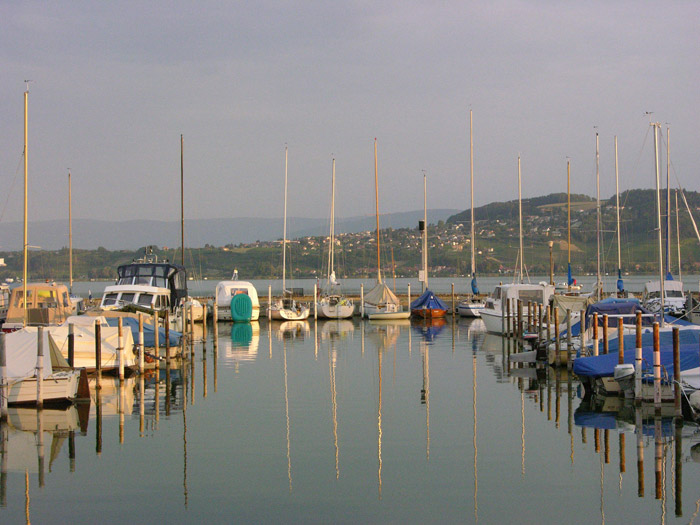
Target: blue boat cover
[[609, 421], [604, 365], [149, 339], [428, 301], [685, 337]]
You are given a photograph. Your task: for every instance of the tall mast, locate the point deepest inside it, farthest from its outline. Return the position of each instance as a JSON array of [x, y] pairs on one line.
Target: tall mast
[[182, 201], [568, 222], [70, 235], [668, 203], [658, 219], [425, 232], [332, 231], [376, 202], [520, 220], [26, 173], [678, 238], [599, 284], [471, 171], [620, 284], [284, 227]]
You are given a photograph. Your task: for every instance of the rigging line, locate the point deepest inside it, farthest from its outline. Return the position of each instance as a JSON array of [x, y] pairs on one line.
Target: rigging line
[[12, 186]]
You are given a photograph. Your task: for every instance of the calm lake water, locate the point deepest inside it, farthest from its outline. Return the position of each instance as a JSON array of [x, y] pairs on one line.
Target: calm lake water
[[349, 422]]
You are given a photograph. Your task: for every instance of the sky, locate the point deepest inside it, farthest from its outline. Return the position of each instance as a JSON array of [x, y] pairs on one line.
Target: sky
[[115, 84]]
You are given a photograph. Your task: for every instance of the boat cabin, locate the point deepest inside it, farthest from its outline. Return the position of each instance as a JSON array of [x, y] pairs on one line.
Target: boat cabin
[[674, 302], [535, 293], [47, 304]]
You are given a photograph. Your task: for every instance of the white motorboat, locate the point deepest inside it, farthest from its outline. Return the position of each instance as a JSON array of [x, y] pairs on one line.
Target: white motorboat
[[226, 290], [674, 302], [495, 310]]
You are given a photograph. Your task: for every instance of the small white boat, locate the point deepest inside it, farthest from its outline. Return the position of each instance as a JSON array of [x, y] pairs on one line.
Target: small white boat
[[674, 297], [59, 381], [470, 308], [495, 309], [226, 290]]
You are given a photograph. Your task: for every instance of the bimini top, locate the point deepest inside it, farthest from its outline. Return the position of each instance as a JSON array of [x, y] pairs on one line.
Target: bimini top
[[161, 275], [428, 301]]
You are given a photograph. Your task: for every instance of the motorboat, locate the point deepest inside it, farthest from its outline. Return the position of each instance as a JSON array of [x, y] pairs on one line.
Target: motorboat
[[47, 304], [495, 309], [674, 302], [225, 293]]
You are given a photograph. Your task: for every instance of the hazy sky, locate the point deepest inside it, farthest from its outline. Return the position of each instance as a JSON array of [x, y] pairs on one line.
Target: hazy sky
[[116, 83]]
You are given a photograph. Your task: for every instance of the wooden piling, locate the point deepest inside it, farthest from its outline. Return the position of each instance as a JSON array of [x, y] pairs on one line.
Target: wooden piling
[[205, 311], [191, 330], [529, 316], [549, 323], [657, 369], [508, 317], [519, 313], [166, 322], [676, 371], [362, 299], [71, 345], [156, 338], [120, 334], [408, 288], [605, 334], [595, 334], [269, 300], [582, 321], [638, 359], [315, 301], [557, 343], [141, 347], [215, 324], [620, 341], [98, 354], [4, 389], [569, 359], [40, 368], [454, 310]]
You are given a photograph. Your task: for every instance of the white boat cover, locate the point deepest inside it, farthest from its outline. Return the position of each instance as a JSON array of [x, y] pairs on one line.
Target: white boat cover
[[84, 342], [225, 290], [21, 348], [574, 303], [380, 295]]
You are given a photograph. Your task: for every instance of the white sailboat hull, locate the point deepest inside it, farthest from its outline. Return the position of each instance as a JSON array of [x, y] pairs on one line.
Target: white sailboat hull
[[336, 311], [56, 388], [470, 308]]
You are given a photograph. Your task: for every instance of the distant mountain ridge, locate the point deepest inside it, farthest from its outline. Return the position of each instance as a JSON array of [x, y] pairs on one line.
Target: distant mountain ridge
[[130, 235]]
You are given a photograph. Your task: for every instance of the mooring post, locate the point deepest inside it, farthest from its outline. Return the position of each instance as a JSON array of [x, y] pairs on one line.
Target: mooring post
[[582, 324], [315, 301], [676, 371], [408, 306], [549, 323], [120, 334], [192, 329], [40, 368], [215, 324], [595, 334], [638, 359], [453, 300], [569, 359], [156, 338], [141, 347], [508, 332], [4, 390], [657, 369], [529, 316], [620, 341], [362, 299], [166, 322], [204, 323], [557, 342], [71, 345], [98, 354], [605, 334], [269, 301]]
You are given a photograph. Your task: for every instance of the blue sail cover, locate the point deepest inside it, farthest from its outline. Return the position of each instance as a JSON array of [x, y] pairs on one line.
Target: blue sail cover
[[428, 301], [569, 277], [149, 338], [475, 287], [604, 365], [620, 282]]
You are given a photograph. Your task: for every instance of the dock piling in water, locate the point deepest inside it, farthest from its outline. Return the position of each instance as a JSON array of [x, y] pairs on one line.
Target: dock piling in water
[[98, 353], [4, 388], [120, 333]]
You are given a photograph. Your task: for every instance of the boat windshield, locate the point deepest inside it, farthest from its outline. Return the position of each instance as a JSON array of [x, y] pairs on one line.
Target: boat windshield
[[109, 299], [535, 296], [145, 299]]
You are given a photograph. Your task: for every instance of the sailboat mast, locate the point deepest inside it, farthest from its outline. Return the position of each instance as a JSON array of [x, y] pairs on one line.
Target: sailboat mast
[[668, 201], [26, 173], [471, 183], [598, 221], [284, 227], [70, 236], [617, 210], [425, 233], [332, 232], [376, 202], [568, 220], [658, 219], [182, 200], [520, 220], [678, 238]]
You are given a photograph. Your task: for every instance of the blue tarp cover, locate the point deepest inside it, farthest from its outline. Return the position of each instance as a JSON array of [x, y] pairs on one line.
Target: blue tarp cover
[[149, 339], [428, 301], [685, 337], [604, 365]]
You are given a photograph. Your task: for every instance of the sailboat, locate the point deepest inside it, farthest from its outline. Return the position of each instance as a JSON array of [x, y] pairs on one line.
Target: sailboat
[[333, 304], [666, 294], [380, 302], [287, 308], [472, 306], [428, 305], [496, 309], [28, 377]]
